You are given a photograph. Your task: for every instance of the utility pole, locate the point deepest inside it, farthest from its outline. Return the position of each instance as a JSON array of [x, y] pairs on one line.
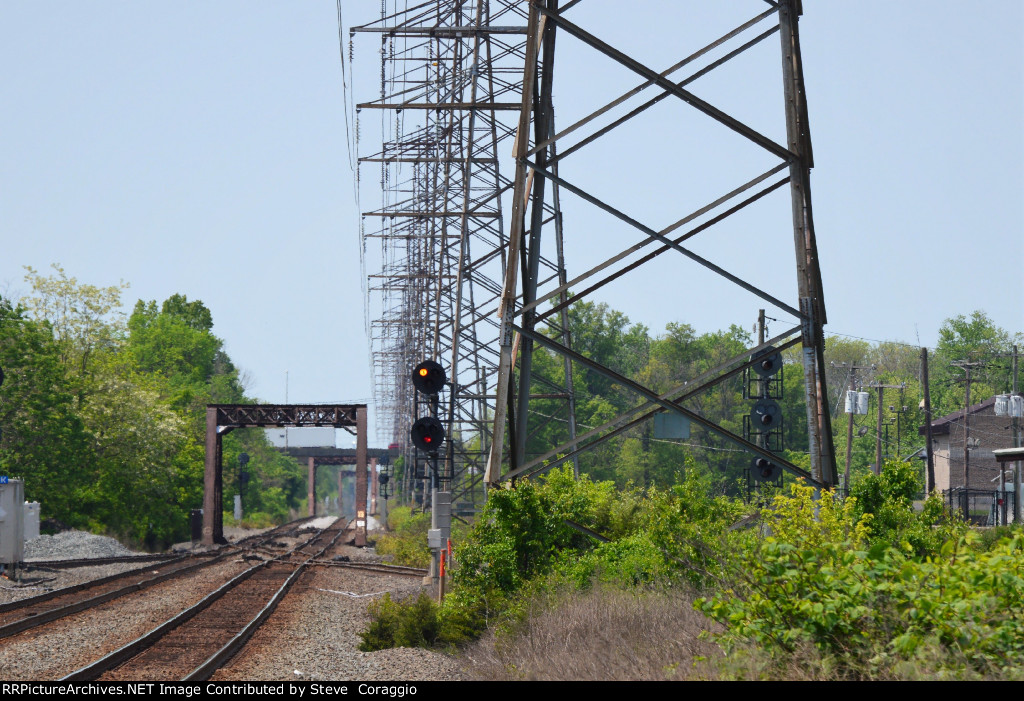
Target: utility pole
[[928, 451], [878, 433], [760, 342], [1016, 444], [762, 383], [966, 367], [849, 423], [878, 426], [898, 410], [849, 432]]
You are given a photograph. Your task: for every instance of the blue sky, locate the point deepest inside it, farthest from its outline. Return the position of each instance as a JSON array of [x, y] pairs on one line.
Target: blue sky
[[200, 148]]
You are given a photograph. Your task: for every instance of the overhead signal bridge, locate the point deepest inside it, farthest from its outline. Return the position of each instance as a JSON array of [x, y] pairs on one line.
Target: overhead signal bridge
[[221, 419]]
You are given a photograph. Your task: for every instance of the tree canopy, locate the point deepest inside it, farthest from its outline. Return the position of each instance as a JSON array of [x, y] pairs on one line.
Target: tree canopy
[[104, 418]]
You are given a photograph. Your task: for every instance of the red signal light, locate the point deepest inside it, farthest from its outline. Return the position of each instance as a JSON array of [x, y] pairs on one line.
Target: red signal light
[[425, 432]]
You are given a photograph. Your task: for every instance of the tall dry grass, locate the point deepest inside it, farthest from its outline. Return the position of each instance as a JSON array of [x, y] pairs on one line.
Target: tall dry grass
[[600, 634]]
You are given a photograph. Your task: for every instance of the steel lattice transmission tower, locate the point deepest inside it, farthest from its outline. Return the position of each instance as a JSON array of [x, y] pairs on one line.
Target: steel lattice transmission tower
[[474, 178], [545, 179], [449, 100]]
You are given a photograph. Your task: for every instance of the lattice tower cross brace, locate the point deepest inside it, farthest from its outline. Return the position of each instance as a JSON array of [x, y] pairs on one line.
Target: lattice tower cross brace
[[812, 307]]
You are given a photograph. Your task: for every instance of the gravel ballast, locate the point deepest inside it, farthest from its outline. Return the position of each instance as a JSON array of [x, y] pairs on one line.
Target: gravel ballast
[[313, 635], [73, 545]]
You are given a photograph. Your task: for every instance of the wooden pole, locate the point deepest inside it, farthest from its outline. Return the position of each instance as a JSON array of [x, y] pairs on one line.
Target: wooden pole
[[928, 450], [878, 433], [1016, 444], [849, 432]]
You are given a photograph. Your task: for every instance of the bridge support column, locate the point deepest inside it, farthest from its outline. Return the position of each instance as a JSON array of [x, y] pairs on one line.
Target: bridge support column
[[360, 477], [213, 517], [311, 491], [373, 486]]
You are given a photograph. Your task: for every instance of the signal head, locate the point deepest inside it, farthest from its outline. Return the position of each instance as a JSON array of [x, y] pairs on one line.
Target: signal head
[[766, 415], [429, 377], [768, 362], [764, 470], [427, 434]]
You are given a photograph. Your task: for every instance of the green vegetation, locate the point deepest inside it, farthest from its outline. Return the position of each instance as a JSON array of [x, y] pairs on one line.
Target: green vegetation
[[679, 354], [870, 608], [522, 548], [104, 417], [876, 585], [821, 587], [406, 540]]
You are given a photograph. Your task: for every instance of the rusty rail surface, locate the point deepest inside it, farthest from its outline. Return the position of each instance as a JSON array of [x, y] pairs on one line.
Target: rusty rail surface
[[31, 612], [206, 635]]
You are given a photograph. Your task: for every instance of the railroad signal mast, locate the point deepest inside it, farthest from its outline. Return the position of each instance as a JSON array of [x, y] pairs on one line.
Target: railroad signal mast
[[428, 435], [763, 425]]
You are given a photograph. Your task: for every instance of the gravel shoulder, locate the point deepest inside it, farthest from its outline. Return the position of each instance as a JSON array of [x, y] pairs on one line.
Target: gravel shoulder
[[314, 634], [33, 579]]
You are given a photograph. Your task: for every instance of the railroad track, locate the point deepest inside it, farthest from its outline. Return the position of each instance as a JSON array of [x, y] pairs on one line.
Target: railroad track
[[93, 561], [194, 644], [401, 570], [32, 612]]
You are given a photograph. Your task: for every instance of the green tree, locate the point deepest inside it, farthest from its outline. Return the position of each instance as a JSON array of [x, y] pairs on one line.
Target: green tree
[[43, 440], [975, 339], [136, 439], [83, 317]]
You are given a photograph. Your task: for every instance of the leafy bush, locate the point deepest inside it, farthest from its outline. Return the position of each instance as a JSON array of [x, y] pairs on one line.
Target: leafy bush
[[400, 624], [521, 546], [888, 499], [818, 581], [406, 542], [418, 622]]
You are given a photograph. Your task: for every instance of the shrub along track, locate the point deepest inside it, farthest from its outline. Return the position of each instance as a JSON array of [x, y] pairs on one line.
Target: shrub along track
[[193, 644], [18, 616]]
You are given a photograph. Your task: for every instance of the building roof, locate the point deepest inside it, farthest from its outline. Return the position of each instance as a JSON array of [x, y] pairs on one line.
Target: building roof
[[1009, 454], [942, 426]]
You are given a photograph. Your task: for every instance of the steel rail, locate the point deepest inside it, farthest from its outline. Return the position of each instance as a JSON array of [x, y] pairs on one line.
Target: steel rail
[[37, 619], [34, 620], [259, 539], [124, 653], [376, 567], [93, 561], [229, 650], [40, 598]]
